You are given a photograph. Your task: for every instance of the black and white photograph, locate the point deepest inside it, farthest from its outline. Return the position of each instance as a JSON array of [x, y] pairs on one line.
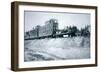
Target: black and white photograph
[[56, 36]]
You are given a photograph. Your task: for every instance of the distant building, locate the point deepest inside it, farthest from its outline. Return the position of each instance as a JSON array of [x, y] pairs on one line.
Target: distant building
[[49, 29]]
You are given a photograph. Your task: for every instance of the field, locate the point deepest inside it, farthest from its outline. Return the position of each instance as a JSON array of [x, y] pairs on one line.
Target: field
[[57, 49]]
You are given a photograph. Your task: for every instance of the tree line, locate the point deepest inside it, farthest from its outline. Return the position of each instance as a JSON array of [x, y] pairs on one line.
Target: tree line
[[74, 31]]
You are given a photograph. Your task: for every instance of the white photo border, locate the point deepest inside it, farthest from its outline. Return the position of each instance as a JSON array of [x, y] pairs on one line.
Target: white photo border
[[33, 64]]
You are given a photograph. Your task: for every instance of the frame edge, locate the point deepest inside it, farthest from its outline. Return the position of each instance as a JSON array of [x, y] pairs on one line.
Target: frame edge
[[14, 37]]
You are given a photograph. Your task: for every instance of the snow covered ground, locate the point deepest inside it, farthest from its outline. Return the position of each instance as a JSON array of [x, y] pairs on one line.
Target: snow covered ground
[[57, 49]]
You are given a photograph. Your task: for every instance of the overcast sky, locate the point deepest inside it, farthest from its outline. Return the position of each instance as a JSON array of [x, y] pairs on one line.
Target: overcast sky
[[64, 19]]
